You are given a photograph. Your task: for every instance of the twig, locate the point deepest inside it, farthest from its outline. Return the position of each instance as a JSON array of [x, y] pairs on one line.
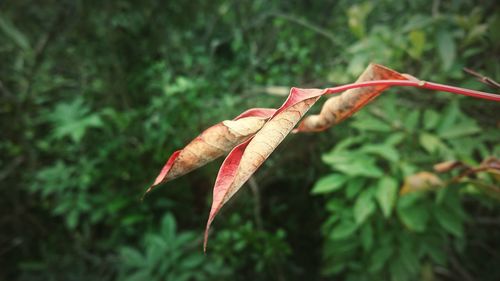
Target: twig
[[483, 79], [418, 84], [257, 206]]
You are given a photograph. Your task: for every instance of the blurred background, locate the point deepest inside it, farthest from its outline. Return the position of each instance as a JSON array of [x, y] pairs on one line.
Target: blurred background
[[96, 95]]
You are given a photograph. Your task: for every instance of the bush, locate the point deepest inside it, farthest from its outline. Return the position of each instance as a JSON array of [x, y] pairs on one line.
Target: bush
[[95, 95]]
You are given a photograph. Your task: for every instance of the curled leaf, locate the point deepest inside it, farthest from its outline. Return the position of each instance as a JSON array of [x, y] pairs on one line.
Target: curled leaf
[[247, 157], [420, 182], [339, 108], [213, 143], [447, 166]]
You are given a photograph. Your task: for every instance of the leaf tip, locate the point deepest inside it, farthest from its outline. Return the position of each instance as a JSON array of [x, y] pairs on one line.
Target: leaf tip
[[147, 192], [162, 177], [207, 229]]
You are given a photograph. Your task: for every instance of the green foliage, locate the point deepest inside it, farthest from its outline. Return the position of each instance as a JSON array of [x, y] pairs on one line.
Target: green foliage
[[94, 95], [241, 243], [168, 255], [384, 236], [72, 120]]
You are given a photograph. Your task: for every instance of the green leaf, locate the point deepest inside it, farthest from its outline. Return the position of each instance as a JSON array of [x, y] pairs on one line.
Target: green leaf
[[409, 200], [73, 119], [431, 143], [353, 187], [476, 33], [72, 218], [397, 270], [408, 256], [386, 195], [343, 145], [417, 21], [363, 207], [335, 205], [131, 257], [446, 49], [168, 226], [493, 30], [449, 221], [395, 139], [434, 247], [463, 128], [353, 163], [371, 124], [357, 18], [329, 184], [333, 269], [411, 120], [417, 40], [191, 262], [359, 168], [379, 257], [431, 119], [139, 276], [343, 230], [449, 117], [383, 150], [415, 217]]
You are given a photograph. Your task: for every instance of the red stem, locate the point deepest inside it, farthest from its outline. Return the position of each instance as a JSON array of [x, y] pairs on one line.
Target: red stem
[[419, 84]]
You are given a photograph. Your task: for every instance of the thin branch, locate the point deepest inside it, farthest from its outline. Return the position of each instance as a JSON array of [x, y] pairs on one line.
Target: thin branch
[[483, 79], [418, 84], [257, 206]]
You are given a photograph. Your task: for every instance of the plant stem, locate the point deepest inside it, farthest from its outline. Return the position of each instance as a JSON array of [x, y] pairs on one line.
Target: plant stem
[[418, 84]]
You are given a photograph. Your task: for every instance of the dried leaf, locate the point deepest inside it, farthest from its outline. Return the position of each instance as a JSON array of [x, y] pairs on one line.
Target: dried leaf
[[339, 108], [420, 182], [213, 143], [447, 166], [247, 157]]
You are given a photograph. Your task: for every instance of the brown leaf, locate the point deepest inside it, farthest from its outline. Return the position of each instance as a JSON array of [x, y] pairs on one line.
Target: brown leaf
[[247, 157], [214, 142], [420, 182], [339, 108], [447, 166]]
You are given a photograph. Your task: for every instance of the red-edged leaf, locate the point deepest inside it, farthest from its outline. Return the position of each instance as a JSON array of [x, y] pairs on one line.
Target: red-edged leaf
[[247, 157], [214, 142], [341, 107]]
